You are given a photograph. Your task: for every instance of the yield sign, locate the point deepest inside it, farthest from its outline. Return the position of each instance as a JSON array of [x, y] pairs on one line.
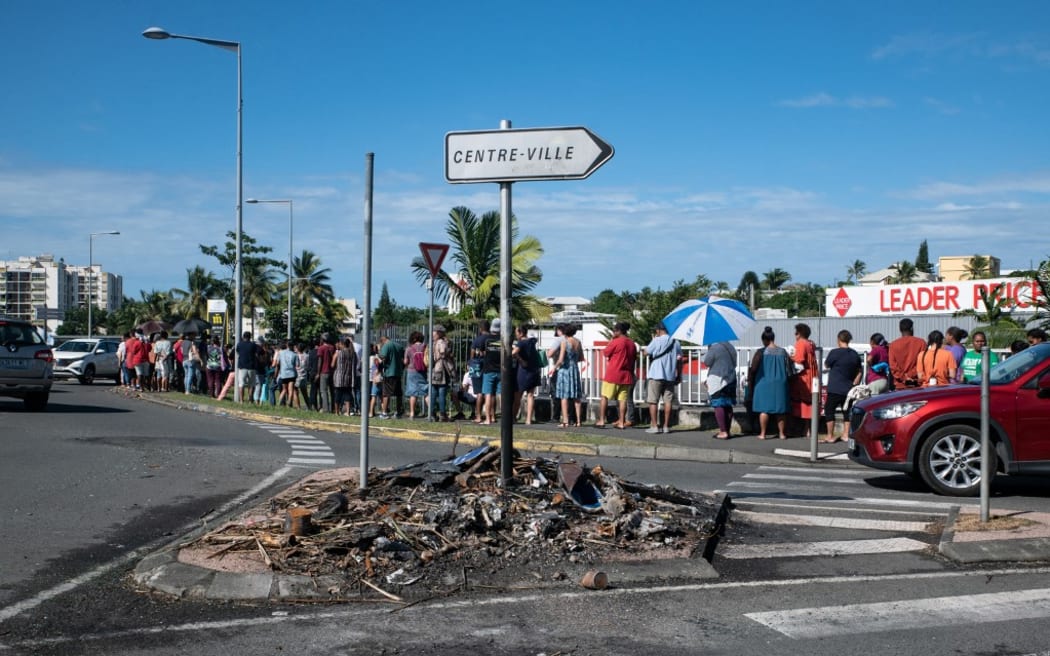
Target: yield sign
[[433, 255]]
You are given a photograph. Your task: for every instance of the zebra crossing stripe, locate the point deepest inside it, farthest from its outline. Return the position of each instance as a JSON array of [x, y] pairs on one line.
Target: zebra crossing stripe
[[827, 548], [822, 479], [761, 503], [316, 446], [903, 615], [311, 461], [832, 522]]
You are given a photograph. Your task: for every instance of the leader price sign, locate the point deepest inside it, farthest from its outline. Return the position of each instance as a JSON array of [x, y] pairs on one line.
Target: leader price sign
[[570, 153]]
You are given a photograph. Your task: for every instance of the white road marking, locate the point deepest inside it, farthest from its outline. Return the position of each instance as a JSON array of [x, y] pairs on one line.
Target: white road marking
[[347, 614], [828, 548], [858, 619], [34, 601], [311, 461], [822, 479], [311, 447], [836, 505], [806, 454], [837, 471], [832, 522]]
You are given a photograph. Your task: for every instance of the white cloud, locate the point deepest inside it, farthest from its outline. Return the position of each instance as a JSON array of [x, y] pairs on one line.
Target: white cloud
[[823, 99], [1033, 184], [929, 45]]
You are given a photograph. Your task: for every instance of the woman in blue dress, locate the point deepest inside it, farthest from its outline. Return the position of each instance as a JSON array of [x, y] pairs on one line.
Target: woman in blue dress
[[568, 385], [771, 385]]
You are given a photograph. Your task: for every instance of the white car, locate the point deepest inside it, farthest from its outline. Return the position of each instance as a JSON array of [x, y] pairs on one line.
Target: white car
[[88, 359]]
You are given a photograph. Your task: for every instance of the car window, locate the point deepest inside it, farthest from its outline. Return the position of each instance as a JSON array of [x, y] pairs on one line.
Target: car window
[[19, 334], [1018, 364], [75, 347]]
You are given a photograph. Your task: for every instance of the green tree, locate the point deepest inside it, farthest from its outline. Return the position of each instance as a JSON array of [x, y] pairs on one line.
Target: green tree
[[922, 260], [475, 258], [903, 272], [311, 281], [385, 312], [653, 305], [75, 321], [802, 300], [856, 271], [978, 267], [192, 302], [749, 282], [609, 302], [775, 278]]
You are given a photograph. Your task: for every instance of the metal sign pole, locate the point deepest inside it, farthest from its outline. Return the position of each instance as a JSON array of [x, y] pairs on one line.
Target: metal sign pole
[[366, 326], [431, 397], [506, 394], [986, 445], [814, 418]]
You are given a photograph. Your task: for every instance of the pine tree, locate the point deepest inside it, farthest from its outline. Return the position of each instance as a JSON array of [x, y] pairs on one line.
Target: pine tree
[[385, 313], [922, 260]]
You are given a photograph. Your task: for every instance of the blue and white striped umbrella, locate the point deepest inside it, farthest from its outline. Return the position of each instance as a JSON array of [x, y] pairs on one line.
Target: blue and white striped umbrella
[[709, 320]]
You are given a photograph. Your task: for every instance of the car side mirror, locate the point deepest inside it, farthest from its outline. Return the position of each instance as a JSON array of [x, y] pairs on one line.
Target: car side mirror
[[100, 350]]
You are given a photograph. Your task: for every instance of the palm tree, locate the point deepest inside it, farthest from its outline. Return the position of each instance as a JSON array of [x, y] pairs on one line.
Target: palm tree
[[192, 302], [310, 282], [977, 267], [903, 273], [856, 271], [475, 257], [775, 278], [259, 285]]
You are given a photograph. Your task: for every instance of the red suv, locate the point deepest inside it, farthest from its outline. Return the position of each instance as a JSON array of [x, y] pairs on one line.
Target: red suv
[[934, 433]]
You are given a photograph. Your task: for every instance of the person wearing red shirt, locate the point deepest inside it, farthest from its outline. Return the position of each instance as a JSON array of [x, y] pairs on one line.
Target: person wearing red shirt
[[621, 356], [904, 354], [324, 371], [137, 358]]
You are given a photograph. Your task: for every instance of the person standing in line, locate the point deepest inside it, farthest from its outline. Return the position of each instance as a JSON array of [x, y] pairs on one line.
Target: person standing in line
[[527, 357], [664, 354], [935, 365], [138, 359], [805, 360], [286, 362], [570, 353], [552, 356], [878, 358], [122, 357], [190, 361], [621, 355], [721, 385], [492, 372], [313, 375], [844, 372], [954, 338], [262, 364], [162, 349], [356, 407], [416, 374], [971, 362], [771, 385], [342, 365], [441, 377], [393, 357], [215, 364], [324, 372], [375, 376], [302, 380], [904, 353], [247, 352], [1036, 336], [474, 367]]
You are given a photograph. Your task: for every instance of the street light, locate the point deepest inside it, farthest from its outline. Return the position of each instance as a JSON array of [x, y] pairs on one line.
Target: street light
[[91, 271], [254, 201], [234, 46]]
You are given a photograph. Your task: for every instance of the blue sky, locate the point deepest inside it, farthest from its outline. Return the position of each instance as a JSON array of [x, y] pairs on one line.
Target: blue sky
[[748, 136]]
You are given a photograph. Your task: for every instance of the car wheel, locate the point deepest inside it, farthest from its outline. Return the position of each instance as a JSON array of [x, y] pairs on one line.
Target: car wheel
[[36, 401], [950, 461], [89, 375]]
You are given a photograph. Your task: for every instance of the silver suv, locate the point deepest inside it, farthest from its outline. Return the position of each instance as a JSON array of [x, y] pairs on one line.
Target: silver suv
[[26, 364], [88, 359]]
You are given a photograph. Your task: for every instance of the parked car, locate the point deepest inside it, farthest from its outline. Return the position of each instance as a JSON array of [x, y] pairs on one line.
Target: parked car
[[933, 433], [88, 359], [26, 364]]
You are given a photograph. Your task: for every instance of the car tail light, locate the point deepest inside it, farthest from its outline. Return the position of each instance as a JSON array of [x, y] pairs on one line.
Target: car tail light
[[44, 354]]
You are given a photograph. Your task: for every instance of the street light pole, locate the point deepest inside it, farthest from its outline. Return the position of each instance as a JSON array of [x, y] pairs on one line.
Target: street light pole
[[234, 46], [291, 271], [91, 272]]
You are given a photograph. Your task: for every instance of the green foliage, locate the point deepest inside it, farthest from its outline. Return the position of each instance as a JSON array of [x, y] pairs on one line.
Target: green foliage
[[903, 272], [75, 321], [309, 320], [653, 305], [803, 300], [388, 313], [775, 278], [977, 268], [609, 302], [855, 271], [922, 260]]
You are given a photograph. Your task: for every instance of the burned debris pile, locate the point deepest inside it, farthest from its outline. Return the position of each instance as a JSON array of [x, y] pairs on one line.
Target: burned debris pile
[[443, 525]]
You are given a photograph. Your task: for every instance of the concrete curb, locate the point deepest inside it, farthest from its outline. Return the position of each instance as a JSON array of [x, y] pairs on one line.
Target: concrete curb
[[985, 551]]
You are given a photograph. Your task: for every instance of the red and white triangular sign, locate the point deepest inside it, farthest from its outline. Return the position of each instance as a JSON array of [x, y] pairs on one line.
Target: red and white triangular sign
[[433, 256]]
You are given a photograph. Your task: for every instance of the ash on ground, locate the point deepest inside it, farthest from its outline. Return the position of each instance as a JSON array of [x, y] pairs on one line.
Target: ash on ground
[[442, 527]]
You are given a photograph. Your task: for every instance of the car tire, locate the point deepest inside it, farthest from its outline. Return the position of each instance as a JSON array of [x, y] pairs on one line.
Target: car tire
[[950, 461], [89, 375], [36, 401]]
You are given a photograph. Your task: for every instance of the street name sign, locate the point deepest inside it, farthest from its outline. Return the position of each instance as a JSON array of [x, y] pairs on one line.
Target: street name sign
[[433, 256], [565, 153]]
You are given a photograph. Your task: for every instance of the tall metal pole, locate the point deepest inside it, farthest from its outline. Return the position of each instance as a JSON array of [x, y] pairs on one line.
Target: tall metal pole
[[506, 393], [291, 272], [366, 326], [986, 438], [432, 410], [159, 33], [814, 417]]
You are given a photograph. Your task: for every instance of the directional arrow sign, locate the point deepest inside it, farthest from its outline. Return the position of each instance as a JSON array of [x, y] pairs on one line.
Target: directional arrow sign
[[530, 154], [433, 255]]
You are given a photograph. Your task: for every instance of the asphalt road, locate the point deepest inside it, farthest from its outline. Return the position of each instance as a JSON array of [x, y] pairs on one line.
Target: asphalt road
[[100, 480]]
